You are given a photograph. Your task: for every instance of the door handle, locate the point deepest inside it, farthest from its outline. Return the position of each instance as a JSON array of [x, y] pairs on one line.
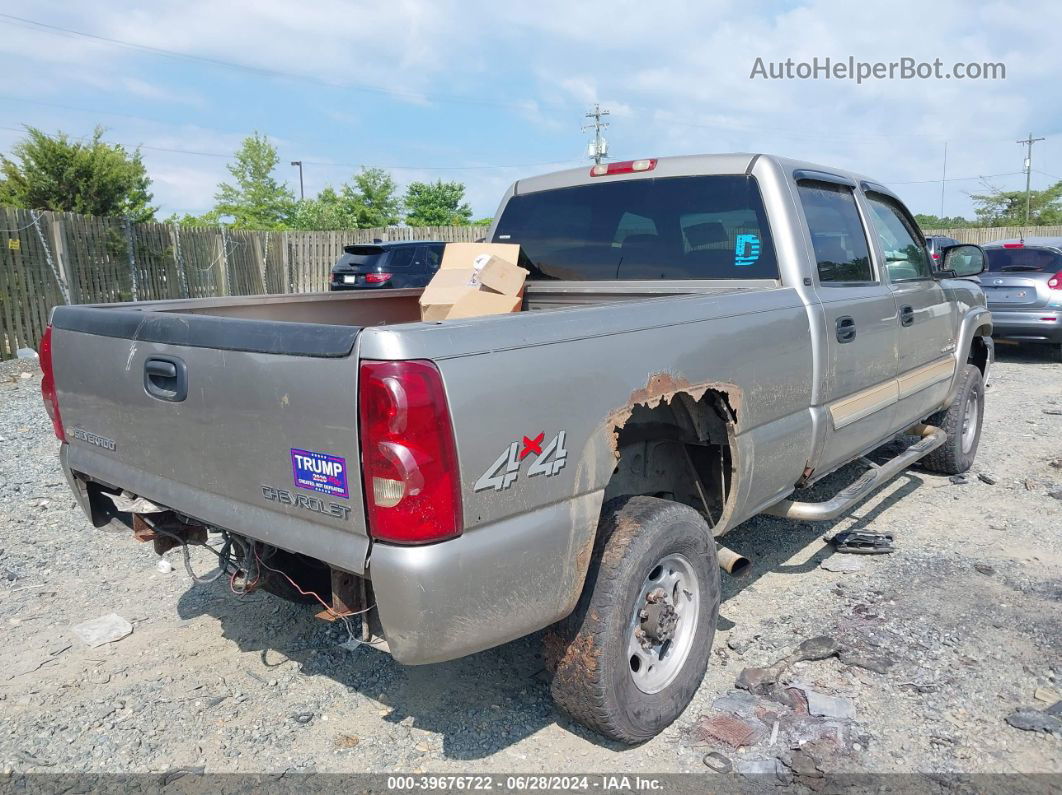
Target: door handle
[[906, 315], [166, 378], [846, 329], [160, 368]]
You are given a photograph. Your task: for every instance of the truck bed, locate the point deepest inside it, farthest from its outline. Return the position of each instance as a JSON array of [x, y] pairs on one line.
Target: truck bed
[[273, 372], [326, 324]]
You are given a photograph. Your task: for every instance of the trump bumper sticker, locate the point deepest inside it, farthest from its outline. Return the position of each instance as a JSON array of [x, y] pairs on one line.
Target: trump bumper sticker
[[320, 472]]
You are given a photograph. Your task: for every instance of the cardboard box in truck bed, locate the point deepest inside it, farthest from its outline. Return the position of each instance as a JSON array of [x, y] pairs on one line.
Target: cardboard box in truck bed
[[475, 279]]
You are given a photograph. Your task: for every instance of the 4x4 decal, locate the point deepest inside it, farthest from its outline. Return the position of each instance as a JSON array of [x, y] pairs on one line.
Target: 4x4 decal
[[505, 470]]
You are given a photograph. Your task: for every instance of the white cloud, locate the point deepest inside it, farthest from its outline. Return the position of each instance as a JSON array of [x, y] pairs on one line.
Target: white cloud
[[675, 76]]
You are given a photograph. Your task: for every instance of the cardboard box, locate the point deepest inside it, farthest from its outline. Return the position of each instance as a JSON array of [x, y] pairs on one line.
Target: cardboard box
[[474, 279], [498, 275]]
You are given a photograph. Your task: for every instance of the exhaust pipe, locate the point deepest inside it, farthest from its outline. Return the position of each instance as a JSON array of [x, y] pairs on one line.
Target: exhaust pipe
[[732, 563]]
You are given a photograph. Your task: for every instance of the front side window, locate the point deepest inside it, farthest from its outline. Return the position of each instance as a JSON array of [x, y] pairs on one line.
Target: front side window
[[701, 227], [841, 252], [905, 256]]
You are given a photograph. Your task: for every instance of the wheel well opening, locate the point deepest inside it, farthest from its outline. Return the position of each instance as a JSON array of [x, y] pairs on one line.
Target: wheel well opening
[[678, 448], [979, 351]]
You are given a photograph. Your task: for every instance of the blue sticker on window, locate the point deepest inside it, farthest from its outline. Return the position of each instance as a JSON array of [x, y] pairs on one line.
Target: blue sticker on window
[[320, 472], [746, 250]]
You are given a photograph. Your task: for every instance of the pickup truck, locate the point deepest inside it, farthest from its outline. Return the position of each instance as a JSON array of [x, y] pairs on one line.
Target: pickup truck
[[702, 336]]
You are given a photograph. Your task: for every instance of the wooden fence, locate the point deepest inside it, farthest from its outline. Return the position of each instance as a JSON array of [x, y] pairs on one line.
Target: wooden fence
[[986, 234], [55, 258]]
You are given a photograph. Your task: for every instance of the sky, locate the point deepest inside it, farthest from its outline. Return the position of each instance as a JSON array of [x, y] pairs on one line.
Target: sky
[[488, 91]]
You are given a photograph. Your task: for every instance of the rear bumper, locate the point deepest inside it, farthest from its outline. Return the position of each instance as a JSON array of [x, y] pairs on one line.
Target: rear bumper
[[1033, 325], [339, 286], [339, 548], [493, 584]]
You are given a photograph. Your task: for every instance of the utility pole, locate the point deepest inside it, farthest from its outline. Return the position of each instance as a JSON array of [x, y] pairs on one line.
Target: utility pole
[[1028, 170], [302, 193], [599, 148]]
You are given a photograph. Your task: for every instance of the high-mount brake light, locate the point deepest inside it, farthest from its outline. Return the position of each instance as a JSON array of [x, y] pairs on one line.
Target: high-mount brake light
[[623, 167], [1014, 245]]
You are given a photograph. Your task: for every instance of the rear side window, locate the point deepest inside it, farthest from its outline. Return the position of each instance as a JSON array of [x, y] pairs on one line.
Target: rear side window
[[708, 227], [401, 257], [841, 252], [1029, 260]]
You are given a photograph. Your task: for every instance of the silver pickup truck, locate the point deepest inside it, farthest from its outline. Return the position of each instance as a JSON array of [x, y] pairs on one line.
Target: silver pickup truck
[[701, 337]]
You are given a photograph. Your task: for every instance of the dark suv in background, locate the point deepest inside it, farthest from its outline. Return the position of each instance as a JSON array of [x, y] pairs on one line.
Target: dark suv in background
[[935, 243], [1023, 285], [371, 266]]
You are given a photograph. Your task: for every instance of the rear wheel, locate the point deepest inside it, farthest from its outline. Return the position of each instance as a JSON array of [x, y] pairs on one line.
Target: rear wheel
[[631, 656], [961, 420]]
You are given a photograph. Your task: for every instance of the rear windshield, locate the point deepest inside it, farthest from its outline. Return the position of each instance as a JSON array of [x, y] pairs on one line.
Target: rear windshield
[[1029, 260], [710, 227], [370, 256]]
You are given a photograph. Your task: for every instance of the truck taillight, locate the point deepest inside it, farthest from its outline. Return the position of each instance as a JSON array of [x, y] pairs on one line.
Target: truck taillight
[[409, 458], [51, 399], [1055, 282]]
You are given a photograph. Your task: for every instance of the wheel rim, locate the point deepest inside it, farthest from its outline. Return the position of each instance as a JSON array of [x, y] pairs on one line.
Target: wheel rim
[[663, 623], [970, 418]]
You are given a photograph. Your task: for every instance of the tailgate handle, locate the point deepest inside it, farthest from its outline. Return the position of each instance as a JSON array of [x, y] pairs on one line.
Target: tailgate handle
[[166, 378]]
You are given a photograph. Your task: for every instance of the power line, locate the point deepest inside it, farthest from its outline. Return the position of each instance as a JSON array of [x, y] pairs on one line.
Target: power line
[[331, 163], [415, 95], [954, 179], [259, 70], [338, 164]]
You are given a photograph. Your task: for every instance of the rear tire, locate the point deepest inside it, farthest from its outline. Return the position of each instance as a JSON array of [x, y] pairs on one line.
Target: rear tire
[[653, 569], [961, 420]]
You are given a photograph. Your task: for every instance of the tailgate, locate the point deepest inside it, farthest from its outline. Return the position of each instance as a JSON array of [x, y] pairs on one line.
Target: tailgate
[[260, 439]]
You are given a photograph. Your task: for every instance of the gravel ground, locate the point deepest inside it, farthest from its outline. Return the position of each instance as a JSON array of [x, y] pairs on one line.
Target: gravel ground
[[964, 622]]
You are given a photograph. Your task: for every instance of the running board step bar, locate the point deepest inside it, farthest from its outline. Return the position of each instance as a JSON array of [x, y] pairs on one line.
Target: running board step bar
[[871, 480]]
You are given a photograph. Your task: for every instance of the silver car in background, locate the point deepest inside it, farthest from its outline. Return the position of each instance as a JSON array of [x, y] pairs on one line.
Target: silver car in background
[[1023, 285]]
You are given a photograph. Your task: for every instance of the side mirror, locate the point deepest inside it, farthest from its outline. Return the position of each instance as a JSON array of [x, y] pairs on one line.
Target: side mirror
[[962, 260]]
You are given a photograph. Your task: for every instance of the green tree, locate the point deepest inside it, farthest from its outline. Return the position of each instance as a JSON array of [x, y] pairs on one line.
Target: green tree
[[926, 221], [370, 201], [1007, 208], [436, 204], [93, 177], [256, 200], [327, 210], [375, 196]]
